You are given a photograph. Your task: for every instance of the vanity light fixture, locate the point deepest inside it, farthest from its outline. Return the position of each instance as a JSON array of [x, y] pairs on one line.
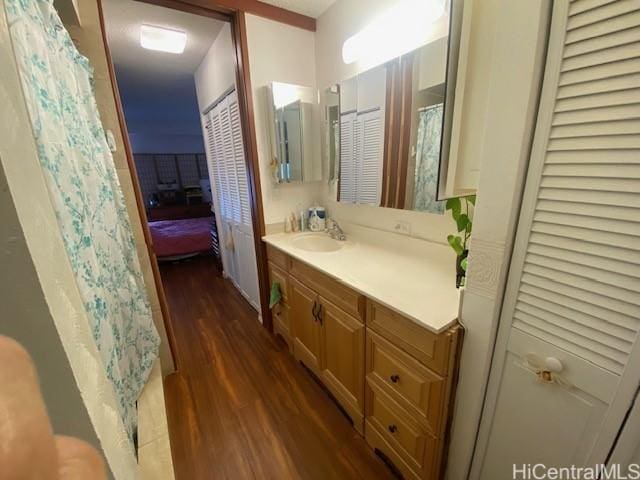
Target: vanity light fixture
[[397, 31], [162, 39]]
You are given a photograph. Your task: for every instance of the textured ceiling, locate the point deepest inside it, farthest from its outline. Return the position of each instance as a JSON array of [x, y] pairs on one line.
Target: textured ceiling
[[310, 8], [123, 19]]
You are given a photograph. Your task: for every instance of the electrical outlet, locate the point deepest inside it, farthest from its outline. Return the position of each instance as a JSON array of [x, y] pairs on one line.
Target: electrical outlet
[[402, 227]]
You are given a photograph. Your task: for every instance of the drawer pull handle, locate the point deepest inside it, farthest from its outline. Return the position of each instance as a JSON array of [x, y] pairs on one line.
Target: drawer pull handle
[[395, 378], [392, 428], [313, 310]]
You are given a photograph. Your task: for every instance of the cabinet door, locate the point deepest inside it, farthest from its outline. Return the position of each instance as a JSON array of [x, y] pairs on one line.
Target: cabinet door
[[343, 358], [305, 328]]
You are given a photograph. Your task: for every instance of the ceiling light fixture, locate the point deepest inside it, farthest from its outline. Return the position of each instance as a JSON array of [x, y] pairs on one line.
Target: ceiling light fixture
[[397, 31], [162, 39]]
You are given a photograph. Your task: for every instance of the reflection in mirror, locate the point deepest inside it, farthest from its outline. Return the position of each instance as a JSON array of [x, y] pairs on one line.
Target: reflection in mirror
[[362, 133], [332, 130], [292, 129], [395, 129]]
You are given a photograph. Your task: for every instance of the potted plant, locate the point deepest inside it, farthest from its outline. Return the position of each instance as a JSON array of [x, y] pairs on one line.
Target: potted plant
[[460, 242]]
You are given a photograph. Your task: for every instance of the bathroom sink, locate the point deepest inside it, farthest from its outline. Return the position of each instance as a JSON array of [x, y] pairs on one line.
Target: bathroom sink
[[316, 242]]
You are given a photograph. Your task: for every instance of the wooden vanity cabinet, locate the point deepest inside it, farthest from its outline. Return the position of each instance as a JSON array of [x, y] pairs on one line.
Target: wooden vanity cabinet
[[342, 342], [305, 326], [393, 377], [281, 313], [409, 391]]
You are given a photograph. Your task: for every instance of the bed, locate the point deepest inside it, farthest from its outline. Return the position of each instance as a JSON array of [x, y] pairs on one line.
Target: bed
[[176, 239]]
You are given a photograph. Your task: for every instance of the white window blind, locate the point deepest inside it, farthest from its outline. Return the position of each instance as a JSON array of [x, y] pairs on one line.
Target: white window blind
[[361, 154], [580, 283]]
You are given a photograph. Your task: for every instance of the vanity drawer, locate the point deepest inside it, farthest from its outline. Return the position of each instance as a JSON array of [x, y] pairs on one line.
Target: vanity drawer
[[278, 258], [340, 295], [406, 438], [421, 391], [433, 350], [276, 274]]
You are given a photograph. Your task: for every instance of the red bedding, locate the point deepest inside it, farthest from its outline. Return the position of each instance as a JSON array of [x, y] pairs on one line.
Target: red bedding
[[181, 237]]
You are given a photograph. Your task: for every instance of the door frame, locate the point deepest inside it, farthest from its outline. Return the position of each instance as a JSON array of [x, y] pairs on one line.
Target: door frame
[[234, 12]]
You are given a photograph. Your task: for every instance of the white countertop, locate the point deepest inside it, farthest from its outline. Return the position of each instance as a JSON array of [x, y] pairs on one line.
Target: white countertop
[[413, 277]]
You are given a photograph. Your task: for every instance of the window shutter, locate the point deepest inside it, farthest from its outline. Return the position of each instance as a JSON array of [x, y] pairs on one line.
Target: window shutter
[[347, 158], [580, 282]]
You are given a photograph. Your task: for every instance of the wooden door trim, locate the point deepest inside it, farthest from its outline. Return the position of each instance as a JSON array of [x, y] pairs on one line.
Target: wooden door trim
[[226, 9], [245, 101], [162, 299], [236, 17]]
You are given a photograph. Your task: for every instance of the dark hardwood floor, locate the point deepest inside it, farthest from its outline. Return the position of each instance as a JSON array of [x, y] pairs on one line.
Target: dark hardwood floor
[[241, 407]]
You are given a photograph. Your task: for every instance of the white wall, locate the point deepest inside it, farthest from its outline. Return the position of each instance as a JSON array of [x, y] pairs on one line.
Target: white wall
[[217, 72], [343, 19], [279, 53]]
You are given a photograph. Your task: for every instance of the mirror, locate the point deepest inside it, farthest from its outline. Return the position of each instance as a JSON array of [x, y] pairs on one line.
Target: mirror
[[293, 112], [395, 128], [331, 102]]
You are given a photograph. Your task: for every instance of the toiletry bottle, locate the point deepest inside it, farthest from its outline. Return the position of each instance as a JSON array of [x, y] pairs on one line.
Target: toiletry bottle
[[287, 224], [303, 221]]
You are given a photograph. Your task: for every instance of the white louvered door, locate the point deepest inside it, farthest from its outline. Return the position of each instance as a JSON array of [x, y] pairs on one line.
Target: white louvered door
[[369, 148], [574, 287], [347, 158], [247, 274], [227, 165], [361, 156]]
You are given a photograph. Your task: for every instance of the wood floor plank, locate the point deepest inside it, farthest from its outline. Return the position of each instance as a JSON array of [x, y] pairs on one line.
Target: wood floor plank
[[241, 407]]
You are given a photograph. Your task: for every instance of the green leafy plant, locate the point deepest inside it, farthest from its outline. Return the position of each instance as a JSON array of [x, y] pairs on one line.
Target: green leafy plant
[[464, 224]]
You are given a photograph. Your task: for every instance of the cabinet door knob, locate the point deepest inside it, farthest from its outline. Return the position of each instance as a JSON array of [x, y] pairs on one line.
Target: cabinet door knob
[[313, 310], [392, 428], [395, 378]]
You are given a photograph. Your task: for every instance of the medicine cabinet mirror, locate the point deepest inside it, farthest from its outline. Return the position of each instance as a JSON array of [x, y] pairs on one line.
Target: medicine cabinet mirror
[[394, 124], [293, 112]]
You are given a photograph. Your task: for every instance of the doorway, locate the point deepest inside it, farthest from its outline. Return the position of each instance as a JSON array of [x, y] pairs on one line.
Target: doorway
[[190, 133]]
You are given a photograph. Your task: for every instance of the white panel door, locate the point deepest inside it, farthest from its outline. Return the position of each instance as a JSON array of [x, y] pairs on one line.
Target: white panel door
[[573, 292]]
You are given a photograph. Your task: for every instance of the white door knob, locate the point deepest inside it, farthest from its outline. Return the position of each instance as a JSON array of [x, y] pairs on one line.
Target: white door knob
[[553, 364]]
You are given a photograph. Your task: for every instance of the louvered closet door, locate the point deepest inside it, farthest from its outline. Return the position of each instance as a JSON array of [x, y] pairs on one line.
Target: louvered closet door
[[369, 147], [217, 172], [347, 158], [574, 287], [227, 165], [243, 227]]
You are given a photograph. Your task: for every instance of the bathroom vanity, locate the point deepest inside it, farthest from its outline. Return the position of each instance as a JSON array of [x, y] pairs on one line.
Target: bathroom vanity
[[381, 336]]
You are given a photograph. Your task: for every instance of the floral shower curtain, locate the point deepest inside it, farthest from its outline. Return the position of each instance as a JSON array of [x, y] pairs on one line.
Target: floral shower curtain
[[84, 189], [427, 160]]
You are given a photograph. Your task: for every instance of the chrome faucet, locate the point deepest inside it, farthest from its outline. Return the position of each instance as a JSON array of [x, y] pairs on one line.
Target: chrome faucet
[[334, 230]]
